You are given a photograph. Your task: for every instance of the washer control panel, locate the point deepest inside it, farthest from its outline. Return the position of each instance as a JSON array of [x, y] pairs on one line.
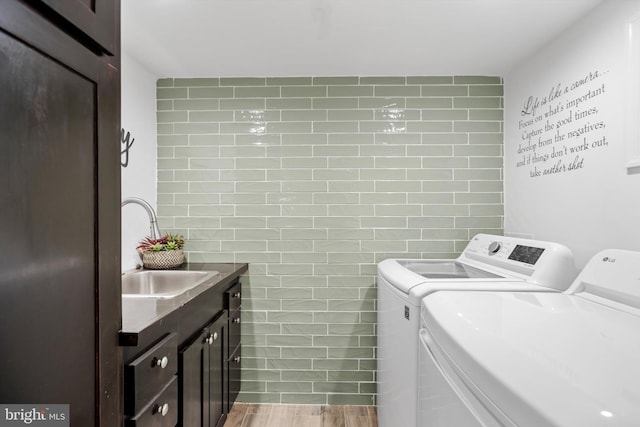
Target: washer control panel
[[544, 263], [506, 249]]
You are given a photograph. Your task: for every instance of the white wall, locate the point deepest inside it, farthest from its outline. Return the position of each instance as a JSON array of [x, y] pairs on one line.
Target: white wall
[[595, 205], [139, 177]]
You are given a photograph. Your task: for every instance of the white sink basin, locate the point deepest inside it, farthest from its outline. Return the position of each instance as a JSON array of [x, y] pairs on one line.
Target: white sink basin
[[162, 284]]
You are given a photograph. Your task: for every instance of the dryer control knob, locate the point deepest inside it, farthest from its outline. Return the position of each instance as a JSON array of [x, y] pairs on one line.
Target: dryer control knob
[[494, 248]]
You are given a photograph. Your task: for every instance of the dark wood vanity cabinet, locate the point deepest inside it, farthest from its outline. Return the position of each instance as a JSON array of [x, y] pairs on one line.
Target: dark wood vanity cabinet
[[184, 369]]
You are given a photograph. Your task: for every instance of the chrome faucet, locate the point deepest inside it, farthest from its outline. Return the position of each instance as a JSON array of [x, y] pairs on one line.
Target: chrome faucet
[[153, 220]]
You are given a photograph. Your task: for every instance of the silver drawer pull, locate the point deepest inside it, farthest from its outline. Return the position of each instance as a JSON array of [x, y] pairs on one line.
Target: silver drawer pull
[[236, 295], [236, 359], [161, 409], [236, 320], [162, 363]]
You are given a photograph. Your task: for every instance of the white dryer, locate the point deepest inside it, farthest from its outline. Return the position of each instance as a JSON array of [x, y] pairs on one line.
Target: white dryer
[[489, 262], [536, 359]]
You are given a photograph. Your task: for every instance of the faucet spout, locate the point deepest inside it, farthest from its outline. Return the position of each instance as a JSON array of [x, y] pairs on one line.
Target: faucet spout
[[153, 219]]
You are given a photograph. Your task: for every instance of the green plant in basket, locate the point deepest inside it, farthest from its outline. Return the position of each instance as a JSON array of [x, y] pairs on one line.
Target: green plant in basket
[[165, 252], [170, 242]]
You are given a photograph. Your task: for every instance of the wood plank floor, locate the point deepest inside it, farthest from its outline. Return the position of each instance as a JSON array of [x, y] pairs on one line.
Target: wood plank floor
[[272, 415]]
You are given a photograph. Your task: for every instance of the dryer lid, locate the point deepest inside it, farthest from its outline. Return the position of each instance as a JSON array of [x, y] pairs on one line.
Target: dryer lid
[[543, 359]]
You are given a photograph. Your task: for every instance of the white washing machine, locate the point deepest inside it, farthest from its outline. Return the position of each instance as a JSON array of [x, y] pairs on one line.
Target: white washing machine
[[488, 262], [536, 359]]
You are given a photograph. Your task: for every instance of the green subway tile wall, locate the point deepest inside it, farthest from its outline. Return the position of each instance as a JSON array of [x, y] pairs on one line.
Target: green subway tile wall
[[312, 181]]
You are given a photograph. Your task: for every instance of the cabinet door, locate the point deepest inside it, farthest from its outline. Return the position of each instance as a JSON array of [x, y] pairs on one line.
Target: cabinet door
[[202, 377], [193, 386], [216, 371], [50, 268], [233, 377]]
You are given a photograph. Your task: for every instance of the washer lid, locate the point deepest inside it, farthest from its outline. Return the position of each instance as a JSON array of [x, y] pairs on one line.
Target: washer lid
[[542, 358], [444, 269], [405, 274]]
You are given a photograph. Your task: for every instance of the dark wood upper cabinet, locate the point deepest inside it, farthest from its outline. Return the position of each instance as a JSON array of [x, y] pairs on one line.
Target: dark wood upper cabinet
[[60, 300], [95, 19]]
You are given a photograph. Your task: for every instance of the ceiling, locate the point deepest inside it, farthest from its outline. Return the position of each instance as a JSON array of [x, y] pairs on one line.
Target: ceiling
[[240, 38]]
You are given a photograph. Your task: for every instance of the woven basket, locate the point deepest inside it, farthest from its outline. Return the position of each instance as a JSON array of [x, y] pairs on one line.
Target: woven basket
[[162, 260]]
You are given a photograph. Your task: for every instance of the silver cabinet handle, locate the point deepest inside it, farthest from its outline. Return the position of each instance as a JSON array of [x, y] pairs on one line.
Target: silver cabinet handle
[[236, 320], [162, 363], [236, 295], [236, 359], [211, 338], [162, 410]]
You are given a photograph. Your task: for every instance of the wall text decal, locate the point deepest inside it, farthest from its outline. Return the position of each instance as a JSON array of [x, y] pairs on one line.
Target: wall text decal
[[125, 147], [559, 130]]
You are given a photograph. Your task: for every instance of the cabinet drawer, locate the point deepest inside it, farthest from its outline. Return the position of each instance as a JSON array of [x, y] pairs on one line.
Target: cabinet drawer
[[149, 373], [233, 297], [234, 331], [162, 411]]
